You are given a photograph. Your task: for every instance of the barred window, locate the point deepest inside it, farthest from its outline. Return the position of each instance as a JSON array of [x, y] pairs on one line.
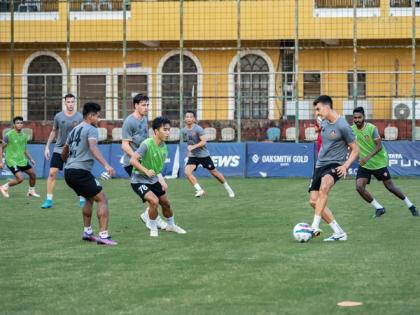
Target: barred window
[[45, 84], [254, 87], [311, 85], [170, 87], [361, 84], [135, 84], [92, 88]]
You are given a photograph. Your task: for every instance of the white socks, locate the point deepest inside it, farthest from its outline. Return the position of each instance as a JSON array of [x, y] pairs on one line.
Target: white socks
[[227, 187], [197, 187], [153, 224], [317, 220], [171, 221], [376, 204], [31, 189], [336, 227], [408, 202], [49, 196], [104, 234], [6, 186], [88, 229]]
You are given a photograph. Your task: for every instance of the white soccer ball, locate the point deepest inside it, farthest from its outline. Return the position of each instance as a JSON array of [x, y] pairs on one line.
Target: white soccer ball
[[105, 175], [302, 232]]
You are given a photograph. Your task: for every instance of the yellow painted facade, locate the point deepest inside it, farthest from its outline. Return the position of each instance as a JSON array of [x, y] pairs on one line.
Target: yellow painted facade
[[210, 24]]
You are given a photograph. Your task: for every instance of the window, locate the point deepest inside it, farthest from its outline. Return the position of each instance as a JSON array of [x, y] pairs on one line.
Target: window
[[170, 87], [21, 6], [92, 88], [311, 85], [44, 88], [98, 5], [254, 87], [403, 3], [135, 84], [338, 4], [361, 84]]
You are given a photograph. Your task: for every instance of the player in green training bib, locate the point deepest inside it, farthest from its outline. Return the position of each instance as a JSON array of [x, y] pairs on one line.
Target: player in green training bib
[[17, 158], [146, 179], [373, 160]]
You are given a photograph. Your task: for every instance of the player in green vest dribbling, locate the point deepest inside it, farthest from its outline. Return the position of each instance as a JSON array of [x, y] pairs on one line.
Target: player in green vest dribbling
[[373, 160], [17, 158], [147, 181]]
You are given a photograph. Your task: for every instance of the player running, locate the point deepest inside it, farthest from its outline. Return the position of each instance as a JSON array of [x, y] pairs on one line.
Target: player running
[[82, 150], [64, 122], [198, 154], [134, 132], [373, 160], [147, 181], [331, 164], [18, 158]]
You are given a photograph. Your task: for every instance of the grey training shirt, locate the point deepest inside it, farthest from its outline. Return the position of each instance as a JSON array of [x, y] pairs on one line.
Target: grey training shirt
[[80, 155], [192, 137], [336, 137], [63, 124], [135, 131]]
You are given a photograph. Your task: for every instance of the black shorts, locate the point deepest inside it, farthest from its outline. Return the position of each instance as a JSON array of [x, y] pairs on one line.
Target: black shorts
[[17, 169], [142, 189], [381, 174], [56, 161], [320, 172], [206, 162], [128, 169], [82, 182]]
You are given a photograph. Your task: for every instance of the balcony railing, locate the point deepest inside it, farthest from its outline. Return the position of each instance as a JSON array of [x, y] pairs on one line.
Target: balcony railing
[[340, 4], [21, 6]]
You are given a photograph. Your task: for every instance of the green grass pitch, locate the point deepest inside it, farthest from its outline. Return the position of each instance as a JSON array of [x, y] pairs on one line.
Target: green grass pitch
[[238, 257]]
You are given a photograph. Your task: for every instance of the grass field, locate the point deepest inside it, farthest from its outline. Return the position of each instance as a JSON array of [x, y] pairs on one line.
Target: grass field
[[238, 257]]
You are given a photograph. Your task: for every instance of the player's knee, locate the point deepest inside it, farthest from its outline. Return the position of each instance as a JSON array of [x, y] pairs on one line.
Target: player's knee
[[19, 179], [323, 190], [389, 185], [312, 202], [154, 202], [360, 188], [52, 174], [166, 205]]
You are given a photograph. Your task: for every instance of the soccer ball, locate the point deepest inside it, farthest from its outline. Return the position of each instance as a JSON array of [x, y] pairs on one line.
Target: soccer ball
[[302, 232]]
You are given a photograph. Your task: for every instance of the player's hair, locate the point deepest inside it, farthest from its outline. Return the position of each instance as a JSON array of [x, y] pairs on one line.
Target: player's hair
[[17, 118], [360, 110], [137, 99], [190, 112], [69, 96], [324, 99], [91, 107], [159, 122]]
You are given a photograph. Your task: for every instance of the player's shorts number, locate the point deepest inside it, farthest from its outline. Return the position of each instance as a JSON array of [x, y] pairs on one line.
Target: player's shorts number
[[143, 189]]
